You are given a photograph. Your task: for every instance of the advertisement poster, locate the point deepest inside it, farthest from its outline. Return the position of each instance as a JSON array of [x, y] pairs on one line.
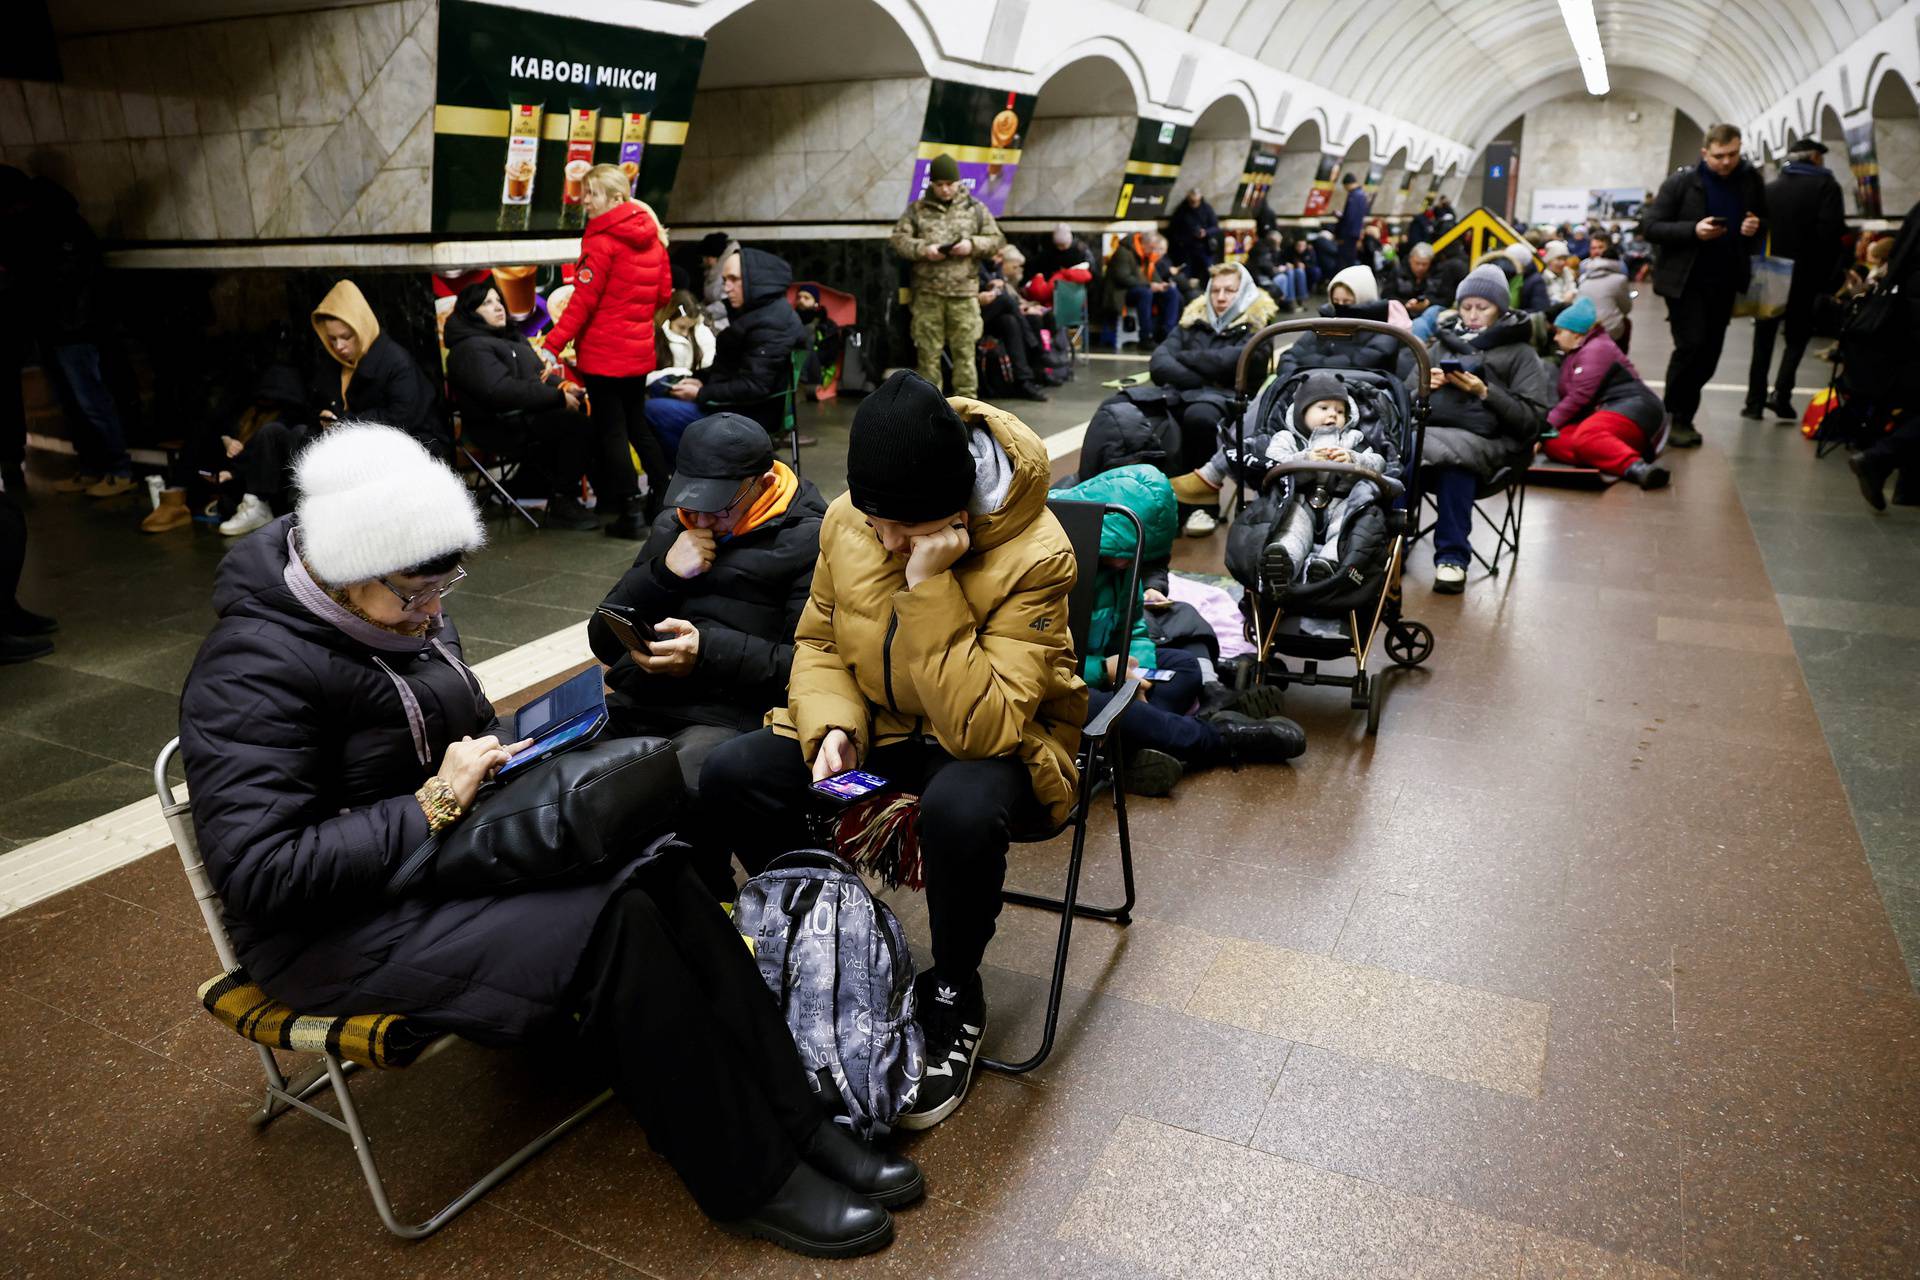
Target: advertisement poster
[[980, 127], [1375, 172], [1152, 168], [1320, 196], [1256, 180], [1555, 205], [525, 104], [1866, 168], [1615, 204]]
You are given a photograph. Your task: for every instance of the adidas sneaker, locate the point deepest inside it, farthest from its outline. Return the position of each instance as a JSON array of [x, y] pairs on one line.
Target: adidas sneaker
[[953, 1019]]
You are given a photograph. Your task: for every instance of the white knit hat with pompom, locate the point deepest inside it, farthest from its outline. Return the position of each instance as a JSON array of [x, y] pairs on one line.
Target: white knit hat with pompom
[[373, 501]]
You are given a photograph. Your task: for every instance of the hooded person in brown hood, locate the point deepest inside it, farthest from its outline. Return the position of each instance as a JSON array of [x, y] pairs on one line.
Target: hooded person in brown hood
[[376, 379], [934, 652]]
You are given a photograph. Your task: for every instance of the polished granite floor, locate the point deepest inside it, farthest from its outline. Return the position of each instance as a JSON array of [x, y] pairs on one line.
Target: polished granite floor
[[1581, 968]]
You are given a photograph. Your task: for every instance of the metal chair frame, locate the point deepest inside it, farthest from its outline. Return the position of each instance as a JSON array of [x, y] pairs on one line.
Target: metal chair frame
[[789, 401], [284, 1094], [1099, 746], [1510, 482]]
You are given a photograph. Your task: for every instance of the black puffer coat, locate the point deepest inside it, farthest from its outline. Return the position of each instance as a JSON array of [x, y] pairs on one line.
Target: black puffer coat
[[495, 371], [1133, 425], [390, 388], [753, 356], [1196, 357], [1362, 351], [1676, 209], [1483, 436], [302, 770], [746, 607]]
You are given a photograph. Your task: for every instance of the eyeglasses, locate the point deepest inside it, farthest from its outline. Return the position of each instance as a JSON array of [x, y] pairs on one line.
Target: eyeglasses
[[746, 491], [426, 594]]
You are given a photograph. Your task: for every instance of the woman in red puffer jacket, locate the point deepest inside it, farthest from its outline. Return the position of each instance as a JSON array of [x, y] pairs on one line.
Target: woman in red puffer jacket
[[622, 276]]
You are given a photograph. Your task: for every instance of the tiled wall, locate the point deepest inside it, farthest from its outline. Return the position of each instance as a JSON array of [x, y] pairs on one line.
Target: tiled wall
[[1292, 180], [1214, 165], [305, 124], [799, 153], [1071, 167], [1896, 142]]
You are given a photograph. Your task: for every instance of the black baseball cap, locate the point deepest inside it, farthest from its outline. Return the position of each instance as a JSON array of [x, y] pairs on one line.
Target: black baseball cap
[[718, 454]]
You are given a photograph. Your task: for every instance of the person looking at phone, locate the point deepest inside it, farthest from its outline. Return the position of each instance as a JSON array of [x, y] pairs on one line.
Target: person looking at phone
[[329, 728], [933, 651], [372, 376], [1488, 396], [941, 233], [709, 607], [1705, 224]]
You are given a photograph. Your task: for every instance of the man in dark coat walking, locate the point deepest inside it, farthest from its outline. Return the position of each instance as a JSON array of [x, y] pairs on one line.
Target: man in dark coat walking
[[722, 581], [1807, 216], [1705, 226], [1351, 227]]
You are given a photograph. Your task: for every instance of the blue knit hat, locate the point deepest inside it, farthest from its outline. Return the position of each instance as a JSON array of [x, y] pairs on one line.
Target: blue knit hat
[[1578, 317], [1488, 283]]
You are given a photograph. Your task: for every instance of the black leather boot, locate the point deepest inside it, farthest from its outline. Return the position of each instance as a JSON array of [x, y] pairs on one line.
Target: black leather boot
[[814, 1215], [1246, 740], [886, 1179], [633, 520]]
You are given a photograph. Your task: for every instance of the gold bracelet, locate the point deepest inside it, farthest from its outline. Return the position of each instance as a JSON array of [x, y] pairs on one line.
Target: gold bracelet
[[440, 805]]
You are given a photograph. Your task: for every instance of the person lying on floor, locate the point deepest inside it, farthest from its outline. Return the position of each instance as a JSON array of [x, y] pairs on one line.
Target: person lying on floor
[[310, 727], [1607, 418], [934, 652], [1166, 731]]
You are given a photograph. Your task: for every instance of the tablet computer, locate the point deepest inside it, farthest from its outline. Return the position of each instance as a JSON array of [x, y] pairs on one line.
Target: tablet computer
[[564, 716]]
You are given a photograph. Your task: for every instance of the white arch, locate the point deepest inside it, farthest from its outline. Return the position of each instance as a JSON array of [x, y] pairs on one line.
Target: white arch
[[1109, 48]]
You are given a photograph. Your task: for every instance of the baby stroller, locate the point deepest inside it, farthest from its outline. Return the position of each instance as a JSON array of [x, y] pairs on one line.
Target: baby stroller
[[1338, 617]]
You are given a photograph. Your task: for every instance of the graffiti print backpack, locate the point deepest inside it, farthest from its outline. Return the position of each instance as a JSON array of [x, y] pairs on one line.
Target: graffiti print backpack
[[837, 960]]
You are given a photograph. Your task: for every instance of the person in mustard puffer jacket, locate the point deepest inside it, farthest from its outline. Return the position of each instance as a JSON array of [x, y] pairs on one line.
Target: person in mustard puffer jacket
[[933, 651]]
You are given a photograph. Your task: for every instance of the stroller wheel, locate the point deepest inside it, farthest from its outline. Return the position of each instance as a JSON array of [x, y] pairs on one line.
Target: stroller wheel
[[1409, 643], [1362, 689], [1376, 694]]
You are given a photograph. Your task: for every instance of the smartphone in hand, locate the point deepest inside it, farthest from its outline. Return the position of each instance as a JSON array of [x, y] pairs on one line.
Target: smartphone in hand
[[633, 631], [851, 786]]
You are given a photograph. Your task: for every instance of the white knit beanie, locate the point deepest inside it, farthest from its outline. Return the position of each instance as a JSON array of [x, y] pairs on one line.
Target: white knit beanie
[[373, 501], [1360, 280]]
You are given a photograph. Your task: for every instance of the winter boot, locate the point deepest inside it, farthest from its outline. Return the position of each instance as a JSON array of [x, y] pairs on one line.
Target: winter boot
[[172, 513]]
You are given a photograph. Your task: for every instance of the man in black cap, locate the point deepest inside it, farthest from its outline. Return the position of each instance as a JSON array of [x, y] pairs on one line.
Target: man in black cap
[[941, 234], [934, 653], [720, 583], [1808, 217]]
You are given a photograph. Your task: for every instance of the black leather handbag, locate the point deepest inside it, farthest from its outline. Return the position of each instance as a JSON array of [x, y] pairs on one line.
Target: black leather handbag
[[575, 817]]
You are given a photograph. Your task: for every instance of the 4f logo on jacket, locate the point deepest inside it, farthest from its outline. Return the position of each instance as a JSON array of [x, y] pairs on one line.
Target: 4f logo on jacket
[[1040, 624]]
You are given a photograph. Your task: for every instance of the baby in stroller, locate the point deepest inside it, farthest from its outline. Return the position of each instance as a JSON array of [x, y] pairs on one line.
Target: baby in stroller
[[1305, 543]]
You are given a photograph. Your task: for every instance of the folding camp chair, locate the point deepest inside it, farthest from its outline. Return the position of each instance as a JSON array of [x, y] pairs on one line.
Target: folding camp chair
[[1070, 310], [778, 412], [1509, 483], [345, 1044], [506, 460], [1099, 749]]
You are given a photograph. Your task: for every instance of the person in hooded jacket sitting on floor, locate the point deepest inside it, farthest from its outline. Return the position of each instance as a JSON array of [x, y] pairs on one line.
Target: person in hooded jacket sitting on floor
[[513, 397], [372, 376], [1199, 359], [310, 728], [1606, 417]]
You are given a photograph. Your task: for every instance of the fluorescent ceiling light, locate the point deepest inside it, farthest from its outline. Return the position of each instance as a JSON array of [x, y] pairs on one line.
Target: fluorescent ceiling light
[[1586, 43]]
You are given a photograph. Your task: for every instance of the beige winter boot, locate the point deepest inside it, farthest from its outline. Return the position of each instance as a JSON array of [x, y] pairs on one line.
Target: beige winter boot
[[172, 512]]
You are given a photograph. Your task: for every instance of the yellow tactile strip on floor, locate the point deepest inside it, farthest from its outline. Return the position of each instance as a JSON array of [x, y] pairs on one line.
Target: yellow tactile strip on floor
[[1458, 1033], [1190, 1206]]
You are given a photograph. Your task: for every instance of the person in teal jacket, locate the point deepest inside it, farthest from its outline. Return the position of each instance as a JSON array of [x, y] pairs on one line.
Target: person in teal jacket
[[1165, 733]]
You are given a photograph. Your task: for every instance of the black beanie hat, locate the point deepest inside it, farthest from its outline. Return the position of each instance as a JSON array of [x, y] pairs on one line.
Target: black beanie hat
[[714, 243], [943, 169], [907, 456], [1319, 385]]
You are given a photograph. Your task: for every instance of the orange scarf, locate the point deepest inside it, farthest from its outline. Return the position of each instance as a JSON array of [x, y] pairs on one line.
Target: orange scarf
[[771, 505]]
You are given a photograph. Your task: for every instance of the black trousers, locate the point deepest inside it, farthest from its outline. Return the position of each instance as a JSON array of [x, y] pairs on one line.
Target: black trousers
[[13, 403], [1798, 323], [694, 1041], [1002, 321], [1200, 432], [620, 419], [967, 811], [1699, 319], [554, 449], [265, 466], [13, 550]]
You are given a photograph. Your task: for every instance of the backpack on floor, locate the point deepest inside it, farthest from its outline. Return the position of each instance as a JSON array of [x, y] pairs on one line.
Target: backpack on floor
[[837, 961]]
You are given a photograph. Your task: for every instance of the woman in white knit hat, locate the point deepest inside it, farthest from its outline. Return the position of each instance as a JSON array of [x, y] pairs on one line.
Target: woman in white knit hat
[[329, 729]]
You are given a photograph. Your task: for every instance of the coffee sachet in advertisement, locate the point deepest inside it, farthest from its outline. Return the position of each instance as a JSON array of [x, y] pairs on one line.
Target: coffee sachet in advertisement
[[583, 129], [523, 158], [633, 145]]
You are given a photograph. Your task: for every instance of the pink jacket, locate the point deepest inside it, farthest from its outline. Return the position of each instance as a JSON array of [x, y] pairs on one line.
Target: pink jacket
[[1597, 375]]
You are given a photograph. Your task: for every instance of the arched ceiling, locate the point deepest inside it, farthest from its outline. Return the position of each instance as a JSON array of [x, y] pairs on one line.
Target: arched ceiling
[[1459, 65]]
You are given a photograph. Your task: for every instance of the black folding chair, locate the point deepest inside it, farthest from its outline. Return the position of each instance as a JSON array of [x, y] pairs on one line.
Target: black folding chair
[[1510, 483], [507, 460], [1099, 749]]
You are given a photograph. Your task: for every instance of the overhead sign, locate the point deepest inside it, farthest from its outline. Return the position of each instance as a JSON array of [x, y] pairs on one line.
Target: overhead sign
[[1153, 165], [525, 104], [1484, 230], [982, 129]]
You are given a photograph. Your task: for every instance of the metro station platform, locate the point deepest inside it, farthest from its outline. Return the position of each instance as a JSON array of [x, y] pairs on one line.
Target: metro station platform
[[1590, 964]]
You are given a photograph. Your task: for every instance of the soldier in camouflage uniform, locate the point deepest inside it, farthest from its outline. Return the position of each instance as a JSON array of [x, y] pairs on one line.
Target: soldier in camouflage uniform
[[946, 285]]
